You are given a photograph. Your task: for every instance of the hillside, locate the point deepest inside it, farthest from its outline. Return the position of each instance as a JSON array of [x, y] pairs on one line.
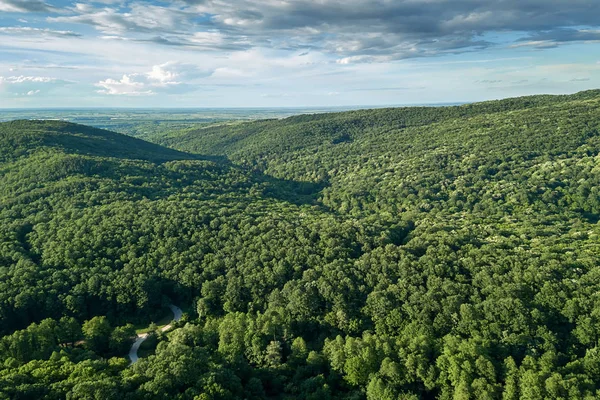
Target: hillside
[[19, 138], [433, 253], [265, 137], [87, 203]]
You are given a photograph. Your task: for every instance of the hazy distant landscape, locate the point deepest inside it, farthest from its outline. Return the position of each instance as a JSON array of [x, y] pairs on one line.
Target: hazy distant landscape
[[143, 121]]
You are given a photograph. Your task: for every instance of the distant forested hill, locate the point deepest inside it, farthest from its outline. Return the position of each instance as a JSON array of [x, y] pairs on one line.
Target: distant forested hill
[[413, 253]]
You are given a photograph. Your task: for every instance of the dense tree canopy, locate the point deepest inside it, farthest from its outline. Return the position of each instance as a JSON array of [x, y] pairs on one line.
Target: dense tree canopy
[[416, 253]]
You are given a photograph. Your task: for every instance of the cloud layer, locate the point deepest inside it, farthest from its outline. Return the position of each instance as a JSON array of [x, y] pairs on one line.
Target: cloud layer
[[296, 52], [22, 85], [24, 6], [37, 32], [352, 30]]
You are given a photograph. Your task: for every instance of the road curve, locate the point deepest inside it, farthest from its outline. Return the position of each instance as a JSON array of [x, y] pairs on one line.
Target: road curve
[[133, 356]]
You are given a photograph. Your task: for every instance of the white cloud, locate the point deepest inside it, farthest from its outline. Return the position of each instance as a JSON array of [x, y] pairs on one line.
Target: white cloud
[[228, 73], [214, 38], [23, 86], [141, 17], [128, 85], [356, 59], [23, 6], [113, 37], [84, 8], [26, 79], [540, 44], [170, 77], [39, 32], [162, 75]]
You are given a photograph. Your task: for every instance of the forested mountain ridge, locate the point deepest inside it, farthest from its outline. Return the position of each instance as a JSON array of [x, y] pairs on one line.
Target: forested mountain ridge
[[385, 160], [19, 138], [293, 133], [447, 253]]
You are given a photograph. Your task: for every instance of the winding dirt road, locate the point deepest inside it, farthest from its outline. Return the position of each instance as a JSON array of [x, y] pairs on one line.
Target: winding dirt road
[[133, 356]]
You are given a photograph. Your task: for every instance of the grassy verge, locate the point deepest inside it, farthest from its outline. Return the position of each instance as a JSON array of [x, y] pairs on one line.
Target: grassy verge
[[164, 320]]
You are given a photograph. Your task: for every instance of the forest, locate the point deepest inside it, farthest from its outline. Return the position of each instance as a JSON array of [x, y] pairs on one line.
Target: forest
[[447, 253]]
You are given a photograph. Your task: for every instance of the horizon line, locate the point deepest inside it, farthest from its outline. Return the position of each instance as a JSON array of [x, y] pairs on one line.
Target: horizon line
[[238, 108]]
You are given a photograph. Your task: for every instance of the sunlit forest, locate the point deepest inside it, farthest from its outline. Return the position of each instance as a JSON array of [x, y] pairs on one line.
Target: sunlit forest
[[411, 253]]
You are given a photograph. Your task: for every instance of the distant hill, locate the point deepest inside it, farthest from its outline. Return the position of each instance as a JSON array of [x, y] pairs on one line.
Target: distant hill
[[276, 135], [21, 137]]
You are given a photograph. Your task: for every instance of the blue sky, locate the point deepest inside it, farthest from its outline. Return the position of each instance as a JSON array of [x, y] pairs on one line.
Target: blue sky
[[275, 53]]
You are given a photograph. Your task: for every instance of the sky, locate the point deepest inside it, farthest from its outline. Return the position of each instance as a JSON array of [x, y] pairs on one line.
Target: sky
[[293, 53]]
